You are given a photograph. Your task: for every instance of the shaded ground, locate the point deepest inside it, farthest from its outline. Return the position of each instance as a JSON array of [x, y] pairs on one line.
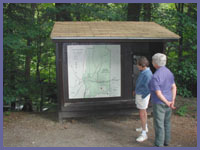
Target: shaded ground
[[42, 130]]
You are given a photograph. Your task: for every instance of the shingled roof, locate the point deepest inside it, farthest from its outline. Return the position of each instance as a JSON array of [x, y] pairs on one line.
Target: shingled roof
[[111, 30]]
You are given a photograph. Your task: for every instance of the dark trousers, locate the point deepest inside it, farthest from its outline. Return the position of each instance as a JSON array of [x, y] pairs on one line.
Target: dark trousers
[[162, 124]]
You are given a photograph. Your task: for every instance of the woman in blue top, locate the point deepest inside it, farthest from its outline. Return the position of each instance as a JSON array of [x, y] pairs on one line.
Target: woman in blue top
[[142, 95]]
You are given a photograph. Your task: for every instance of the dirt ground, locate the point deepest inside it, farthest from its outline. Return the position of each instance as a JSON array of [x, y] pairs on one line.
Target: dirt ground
[[42, 130]]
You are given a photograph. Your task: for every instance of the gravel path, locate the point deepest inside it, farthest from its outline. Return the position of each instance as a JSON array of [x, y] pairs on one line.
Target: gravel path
[[42, 130]]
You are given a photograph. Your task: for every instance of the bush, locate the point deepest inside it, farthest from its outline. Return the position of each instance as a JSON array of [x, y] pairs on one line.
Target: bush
[[185, 73], [182, 111]]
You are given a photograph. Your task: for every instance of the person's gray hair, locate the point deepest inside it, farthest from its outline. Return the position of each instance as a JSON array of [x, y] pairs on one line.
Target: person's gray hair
[[159, 59]]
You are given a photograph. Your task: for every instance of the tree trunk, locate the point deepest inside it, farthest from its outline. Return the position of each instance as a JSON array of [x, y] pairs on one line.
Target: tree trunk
[[134, 11], [191, 11], [147, 11], [28, 101], [39, 53], [180, 8], [63, 14], [10, 54], [39, 80], [41, 96], [27, 62]]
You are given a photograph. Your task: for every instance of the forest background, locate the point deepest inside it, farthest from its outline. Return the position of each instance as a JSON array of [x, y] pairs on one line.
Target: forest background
[[29, 68]]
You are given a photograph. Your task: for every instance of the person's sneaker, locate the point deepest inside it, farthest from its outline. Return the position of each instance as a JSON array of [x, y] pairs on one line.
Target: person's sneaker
[[140, 129], [142, 138], [166, 144]]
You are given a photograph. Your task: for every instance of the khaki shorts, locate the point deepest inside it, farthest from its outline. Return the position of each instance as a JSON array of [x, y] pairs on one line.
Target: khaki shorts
[[142, 103]]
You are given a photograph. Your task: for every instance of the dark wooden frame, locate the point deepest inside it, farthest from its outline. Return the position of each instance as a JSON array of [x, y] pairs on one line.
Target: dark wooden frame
[[128, 49], [65, 75]]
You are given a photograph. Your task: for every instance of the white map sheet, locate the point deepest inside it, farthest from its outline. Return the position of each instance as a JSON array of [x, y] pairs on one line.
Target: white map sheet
[[94, 71]]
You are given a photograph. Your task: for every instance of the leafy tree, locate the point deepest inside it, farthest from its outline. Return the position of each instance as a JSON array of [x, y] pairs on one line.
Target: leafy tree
[[134, 11], [29, 54], [182, 55], [28, 51]]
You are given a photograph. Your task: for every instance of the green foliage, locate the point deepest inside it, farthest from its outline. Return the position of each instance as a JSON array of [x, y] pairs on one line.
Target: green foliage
[[183, 91], [26, 34], [185, 23], [184, 68], [185, 73], [33, 23], [7, 113], [98, 11], [182, 111]]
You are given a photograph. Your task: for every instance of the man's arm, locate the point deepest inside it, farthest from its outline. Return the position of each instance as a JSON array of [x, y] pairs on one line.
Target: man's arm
[[174, 89], [162, 98]]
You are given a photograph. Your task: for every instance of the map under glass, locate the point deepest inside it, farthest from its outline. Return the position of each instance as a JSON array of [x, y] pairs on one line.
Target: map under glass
[[94, 71]]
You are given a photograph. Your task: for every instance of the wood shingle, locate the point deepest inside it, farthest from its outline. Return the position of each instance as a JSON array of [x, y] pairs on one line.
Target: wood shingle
[[111, 30]]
